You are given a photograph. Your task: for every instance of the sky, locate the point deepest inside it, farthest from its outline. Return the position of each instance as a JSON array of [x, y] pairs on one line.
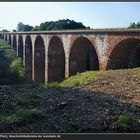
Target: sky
[[93, 14]]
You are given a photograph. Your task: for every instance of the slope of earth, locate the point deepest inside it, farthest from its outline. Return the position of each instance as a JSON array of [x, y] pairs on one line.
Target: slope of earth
[[106, 104], [123, 84]]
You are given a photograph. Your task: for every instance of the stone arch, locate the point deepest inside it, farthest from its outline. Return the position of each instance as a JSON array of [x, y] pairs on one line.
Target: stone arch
[[83, 56], [126, 54], [14, 43], [56, 60], [28, 57], [20, 47], [39, 60]]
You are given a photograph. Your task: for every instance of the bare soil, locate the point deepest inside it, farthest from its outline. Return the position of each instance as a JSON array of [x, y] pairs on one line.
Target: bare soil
[[93, 108]]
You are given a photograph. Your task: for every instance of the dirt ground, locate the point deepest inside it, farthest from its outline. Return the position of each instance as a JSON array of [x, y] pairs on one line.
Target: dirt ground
[[93, 108]]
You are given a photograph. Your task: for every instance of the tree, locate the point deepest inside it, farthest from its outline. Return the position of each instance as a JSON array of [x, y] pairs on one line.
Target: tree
[[134, 25], [14, 30], [20, 27], [36, 28], [60, 25], [23, 28], [4, 30]]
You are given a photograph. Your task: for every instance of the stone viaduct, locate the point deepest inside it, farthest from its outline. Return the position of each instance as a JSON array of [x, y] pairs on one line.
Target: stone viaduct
[[54, 55]]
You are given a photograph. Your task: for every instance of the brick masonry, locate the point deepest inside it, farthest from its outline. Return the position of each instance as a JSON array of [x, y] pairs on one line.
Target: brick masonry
[[59, 52]]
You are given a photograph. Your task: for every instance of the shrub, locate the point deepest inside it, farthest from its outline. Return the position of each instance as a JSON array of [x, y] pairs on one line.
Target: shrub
[[17, 70], [11, 68], [4, 44]]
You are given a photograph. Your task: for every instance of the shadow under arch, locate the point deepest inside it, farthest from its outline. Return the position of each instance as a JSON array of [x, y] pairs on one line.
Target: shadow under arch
[[126, 54], [39, 60], [14, 43], [28, 57], [10, 39], [56, 60], [83, 56], [5, 37], [20, 47]]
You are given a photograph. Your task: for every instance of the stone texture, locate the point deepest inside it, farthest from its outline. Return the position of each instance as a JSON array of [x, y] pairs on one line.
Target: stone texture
[[105, 47]]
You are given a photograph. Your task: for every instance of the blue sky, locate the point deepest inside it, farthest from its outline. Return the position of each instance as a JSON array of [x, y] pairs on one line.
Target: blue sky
[[93, 14]]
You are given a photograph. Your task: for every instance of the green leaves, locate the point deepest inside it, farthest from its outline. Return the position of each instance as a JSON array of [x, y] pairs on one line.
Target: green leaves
[[59, 25], [11, 67], [23, 116], [23, 27], [17, 69], [134, 25]]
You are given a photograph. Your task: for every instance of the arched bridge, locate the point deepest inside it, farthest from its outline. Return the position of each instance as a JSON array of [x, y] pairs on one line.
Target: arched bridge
[[53, 55]]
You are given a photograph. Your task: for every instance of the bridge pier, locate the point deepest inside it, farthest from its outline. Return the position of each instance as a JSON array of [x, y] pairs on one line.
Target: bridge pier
[[83, 50]]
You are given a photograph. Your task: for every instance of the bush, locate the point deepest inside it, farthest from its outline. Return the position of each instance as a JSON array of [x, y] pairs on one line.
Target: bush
[[11, 67], [4, 44], [17, 70]]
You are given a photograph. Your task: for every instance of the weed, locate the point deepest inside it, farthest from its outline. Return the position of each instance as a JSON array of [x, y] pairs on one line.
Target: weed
[[23, 116], [20, 101], [124, 123]]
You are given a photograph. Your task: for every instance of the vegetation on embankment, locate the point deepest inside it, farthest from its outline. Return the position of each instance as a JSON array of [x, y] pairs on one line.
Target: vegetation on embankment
[[79, 79], [104, 102], [92, 102], [4, 44], [11, 68]]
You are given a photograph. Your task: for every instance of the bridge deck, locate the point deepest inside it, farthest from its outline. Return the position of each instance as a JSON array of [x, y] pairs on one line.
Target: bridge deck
[[77, 31]]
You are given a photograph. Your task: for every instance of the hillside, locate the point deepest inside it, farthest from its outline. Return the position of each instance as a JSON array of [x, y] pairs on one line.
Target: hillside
[[92, 102], [11, 67]]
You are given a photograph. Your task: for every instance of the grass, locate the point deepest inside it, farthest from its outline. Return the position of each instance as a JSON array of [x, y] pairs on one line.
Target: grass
[[20, 101], [23, 116], [79, 79], [126, 122], [30, 100]]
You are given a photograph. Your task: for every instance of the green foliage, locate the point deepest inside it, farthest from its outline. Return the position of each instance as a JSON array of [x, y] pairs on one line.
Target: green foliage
[[126, 122], [32, 100], [23, 116], [17, 69], [4, 30], [4, 44], [59, 25], [82, 79], [10, 55], [36, 28], [134, 25], [11, 68], [52, 25], [20, 101], [79, 79], [6, 58], [37, 86], [22, 27]]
